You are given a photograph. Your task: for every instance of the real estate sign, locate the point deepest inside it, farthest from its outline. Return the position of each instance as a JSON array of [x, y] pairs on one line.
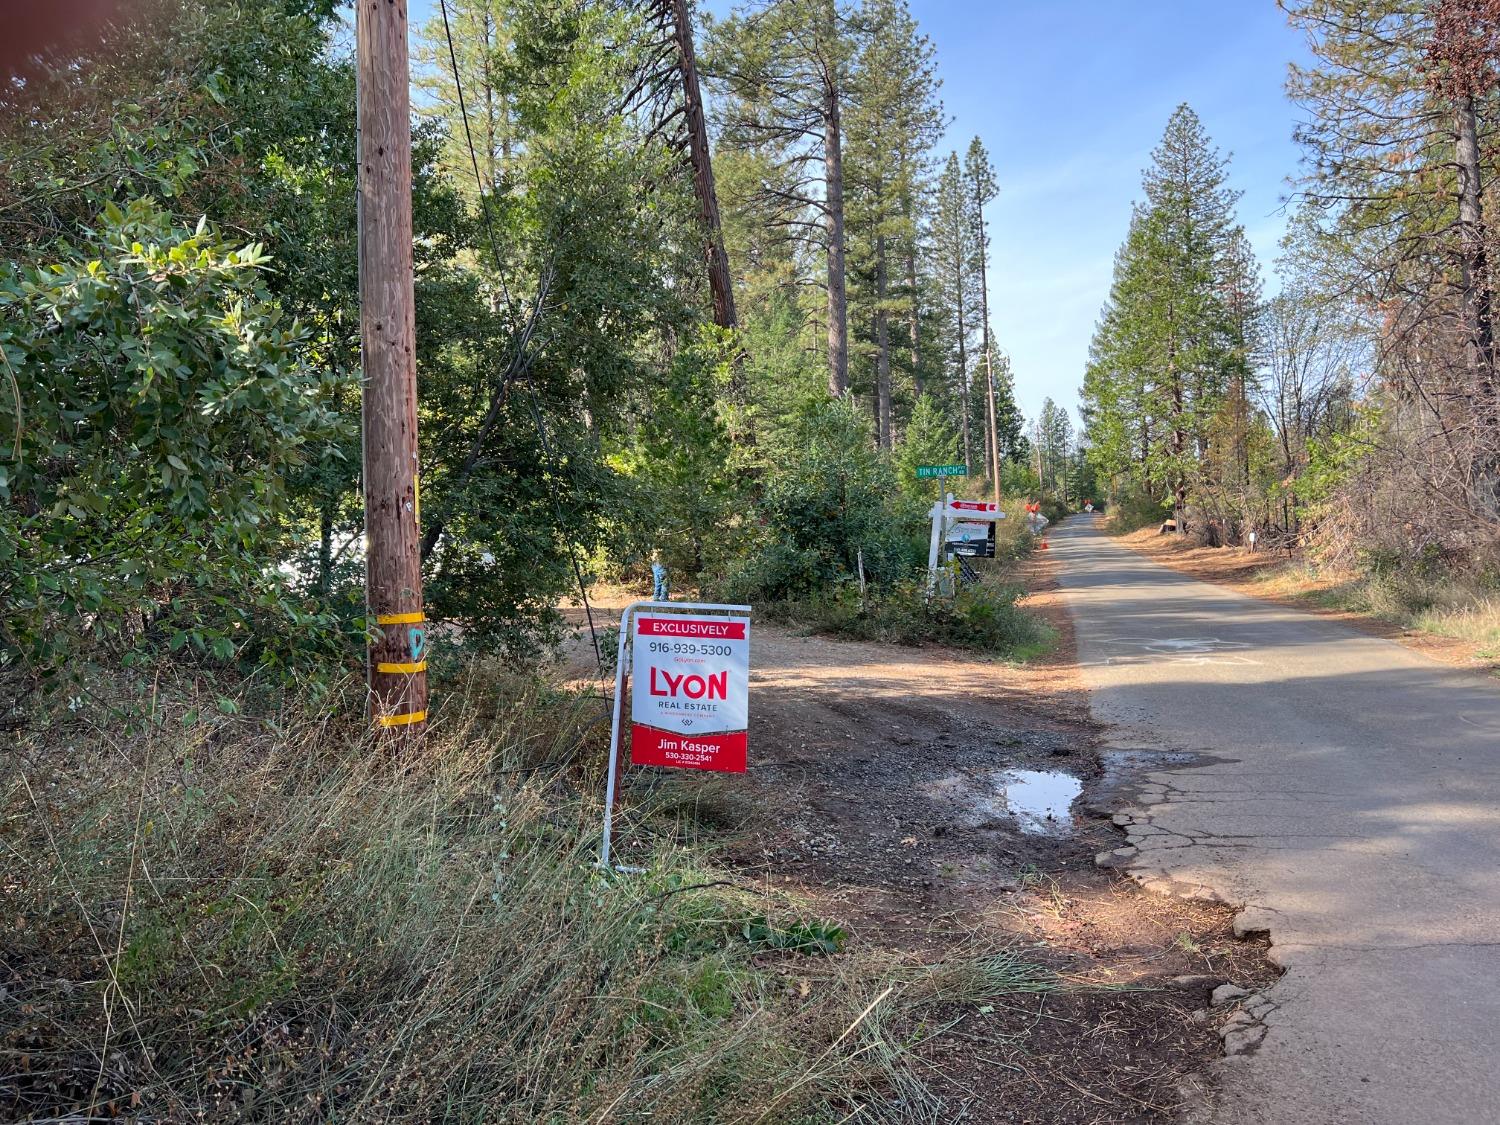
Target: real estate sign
[[690, 702]]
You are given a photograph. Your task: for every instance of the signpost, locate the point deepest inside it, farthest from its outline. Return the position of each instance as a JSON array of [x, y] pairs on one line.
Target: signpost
[[966, 514], [975, 509], [690, 691], [1035, 521], [972, 518]]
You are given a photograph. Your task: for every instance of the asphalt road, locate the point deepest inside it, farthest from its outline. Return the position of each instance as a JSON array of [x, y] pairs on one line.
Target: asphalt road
[[1346, 792]]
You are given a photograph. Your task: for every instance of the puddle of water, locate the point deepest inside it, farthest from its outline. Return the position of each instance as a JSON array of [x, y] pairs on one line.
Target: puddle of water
[[1038, 801]]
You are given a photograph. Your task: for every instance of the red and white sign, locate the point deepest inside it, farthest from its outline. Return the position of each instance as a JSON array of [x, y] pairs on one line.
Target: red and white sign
[[690, 702], [971, 511]]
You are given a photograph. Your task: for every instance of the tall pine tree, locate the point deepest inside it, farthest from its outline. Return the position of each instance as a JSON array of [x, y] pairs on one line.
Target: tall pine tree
[[1172, 342]]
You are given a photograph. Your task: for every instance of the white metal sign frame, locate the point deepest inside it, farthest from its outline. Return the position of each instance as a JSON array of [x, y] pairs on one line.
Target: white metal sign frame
[[622, 667], [950, 509]]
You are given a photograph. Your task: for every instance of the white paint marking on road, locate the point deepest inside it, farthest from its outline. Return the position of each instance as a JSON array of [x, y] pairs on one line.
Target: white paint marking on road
[[1191, 651]]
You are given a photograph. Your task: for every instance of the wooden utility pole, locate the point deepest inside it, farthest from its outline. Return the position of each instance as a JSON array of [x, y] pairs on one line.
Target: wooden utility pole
[[989, 373], [387, 316]]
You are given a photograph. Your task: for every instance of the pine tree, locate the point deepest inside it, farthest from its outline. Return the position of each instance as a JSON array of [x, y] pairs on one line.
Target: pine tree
[[1399, 106], [981, 187], [929, 440], [1010, 426], [668, 92], [1192, 216], [957, 285], [785, 72], [482, 46], [1174, 341], [1054, 431], [893, 116]]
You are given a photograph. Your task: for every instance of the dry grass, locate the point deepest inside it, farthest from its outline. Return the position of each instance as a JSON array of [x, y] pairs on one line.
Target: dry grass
[[1425, 603], [261, 915], [1412, 598], [1475, 621]]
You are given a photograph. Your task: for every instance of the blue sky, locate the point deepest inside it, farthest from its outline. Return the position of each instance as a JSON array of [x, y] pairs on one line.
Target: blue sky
[[1070, 96]]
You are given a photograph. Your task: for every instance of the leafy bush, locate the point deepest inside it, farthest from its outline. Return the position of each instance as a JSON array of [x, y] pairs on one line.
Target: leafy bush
[[1134, 510], [830, 501], [683, 498], [930, 439], [158, 404], [983, 616]]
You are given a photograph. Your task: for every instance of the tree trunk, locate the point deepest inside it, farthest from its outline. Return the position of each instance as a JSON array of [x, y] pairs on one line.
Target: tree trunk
[[914, 322], [992, 439], [883, 349], [1179, 433], [719, 281], [489, 108], [1476, 280], [833, 202], [325, 547], [963, 389], [1179, 448], [1478, 313]]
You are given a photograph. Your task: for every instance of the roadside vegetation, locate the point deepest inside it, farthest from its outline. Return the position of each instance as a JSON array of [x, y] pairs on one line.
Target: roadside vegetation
[[253, 912], [222, 899], [1441, 604], [1352, 419], [1434, 602]]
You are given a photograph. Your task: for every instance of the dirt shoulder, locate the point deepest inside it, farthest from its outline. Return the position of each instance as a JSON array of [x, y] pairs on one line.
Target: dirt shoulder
[[923, 798], [1273, 578]]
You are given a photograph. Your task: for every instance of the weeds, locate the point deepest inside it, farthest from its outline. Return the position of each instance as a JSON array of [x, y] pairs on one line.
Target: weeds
[[268, 917], [1442, 605], [984, 616]]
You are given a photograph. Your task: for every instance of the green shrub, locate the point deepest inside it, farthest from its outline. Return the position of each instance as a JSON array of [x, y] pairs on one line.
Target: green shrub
[[159, 406], [1136, 509], [830, 501], [983, 616], [682, 498]]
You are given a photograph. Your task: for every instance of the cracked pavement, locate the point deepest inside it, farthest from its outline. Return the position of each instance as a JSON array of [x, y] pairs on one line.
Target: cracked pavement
[[1346, 794]]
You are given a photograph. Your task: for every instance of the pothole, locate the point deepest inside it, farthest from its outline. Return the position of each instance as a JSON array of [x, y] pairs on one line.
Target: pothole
[[1126, 766]]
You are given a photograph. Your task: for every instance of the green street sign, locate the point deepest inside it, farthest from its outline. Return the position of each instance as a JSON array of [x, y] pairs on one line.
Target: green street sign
[[925, 472]]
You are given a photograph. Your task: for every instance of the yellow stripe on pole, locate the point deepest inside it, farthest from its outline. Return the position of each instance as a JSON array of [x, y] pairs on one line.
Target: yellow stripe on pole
[[400, 619], [402, 720], [418, 666]]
